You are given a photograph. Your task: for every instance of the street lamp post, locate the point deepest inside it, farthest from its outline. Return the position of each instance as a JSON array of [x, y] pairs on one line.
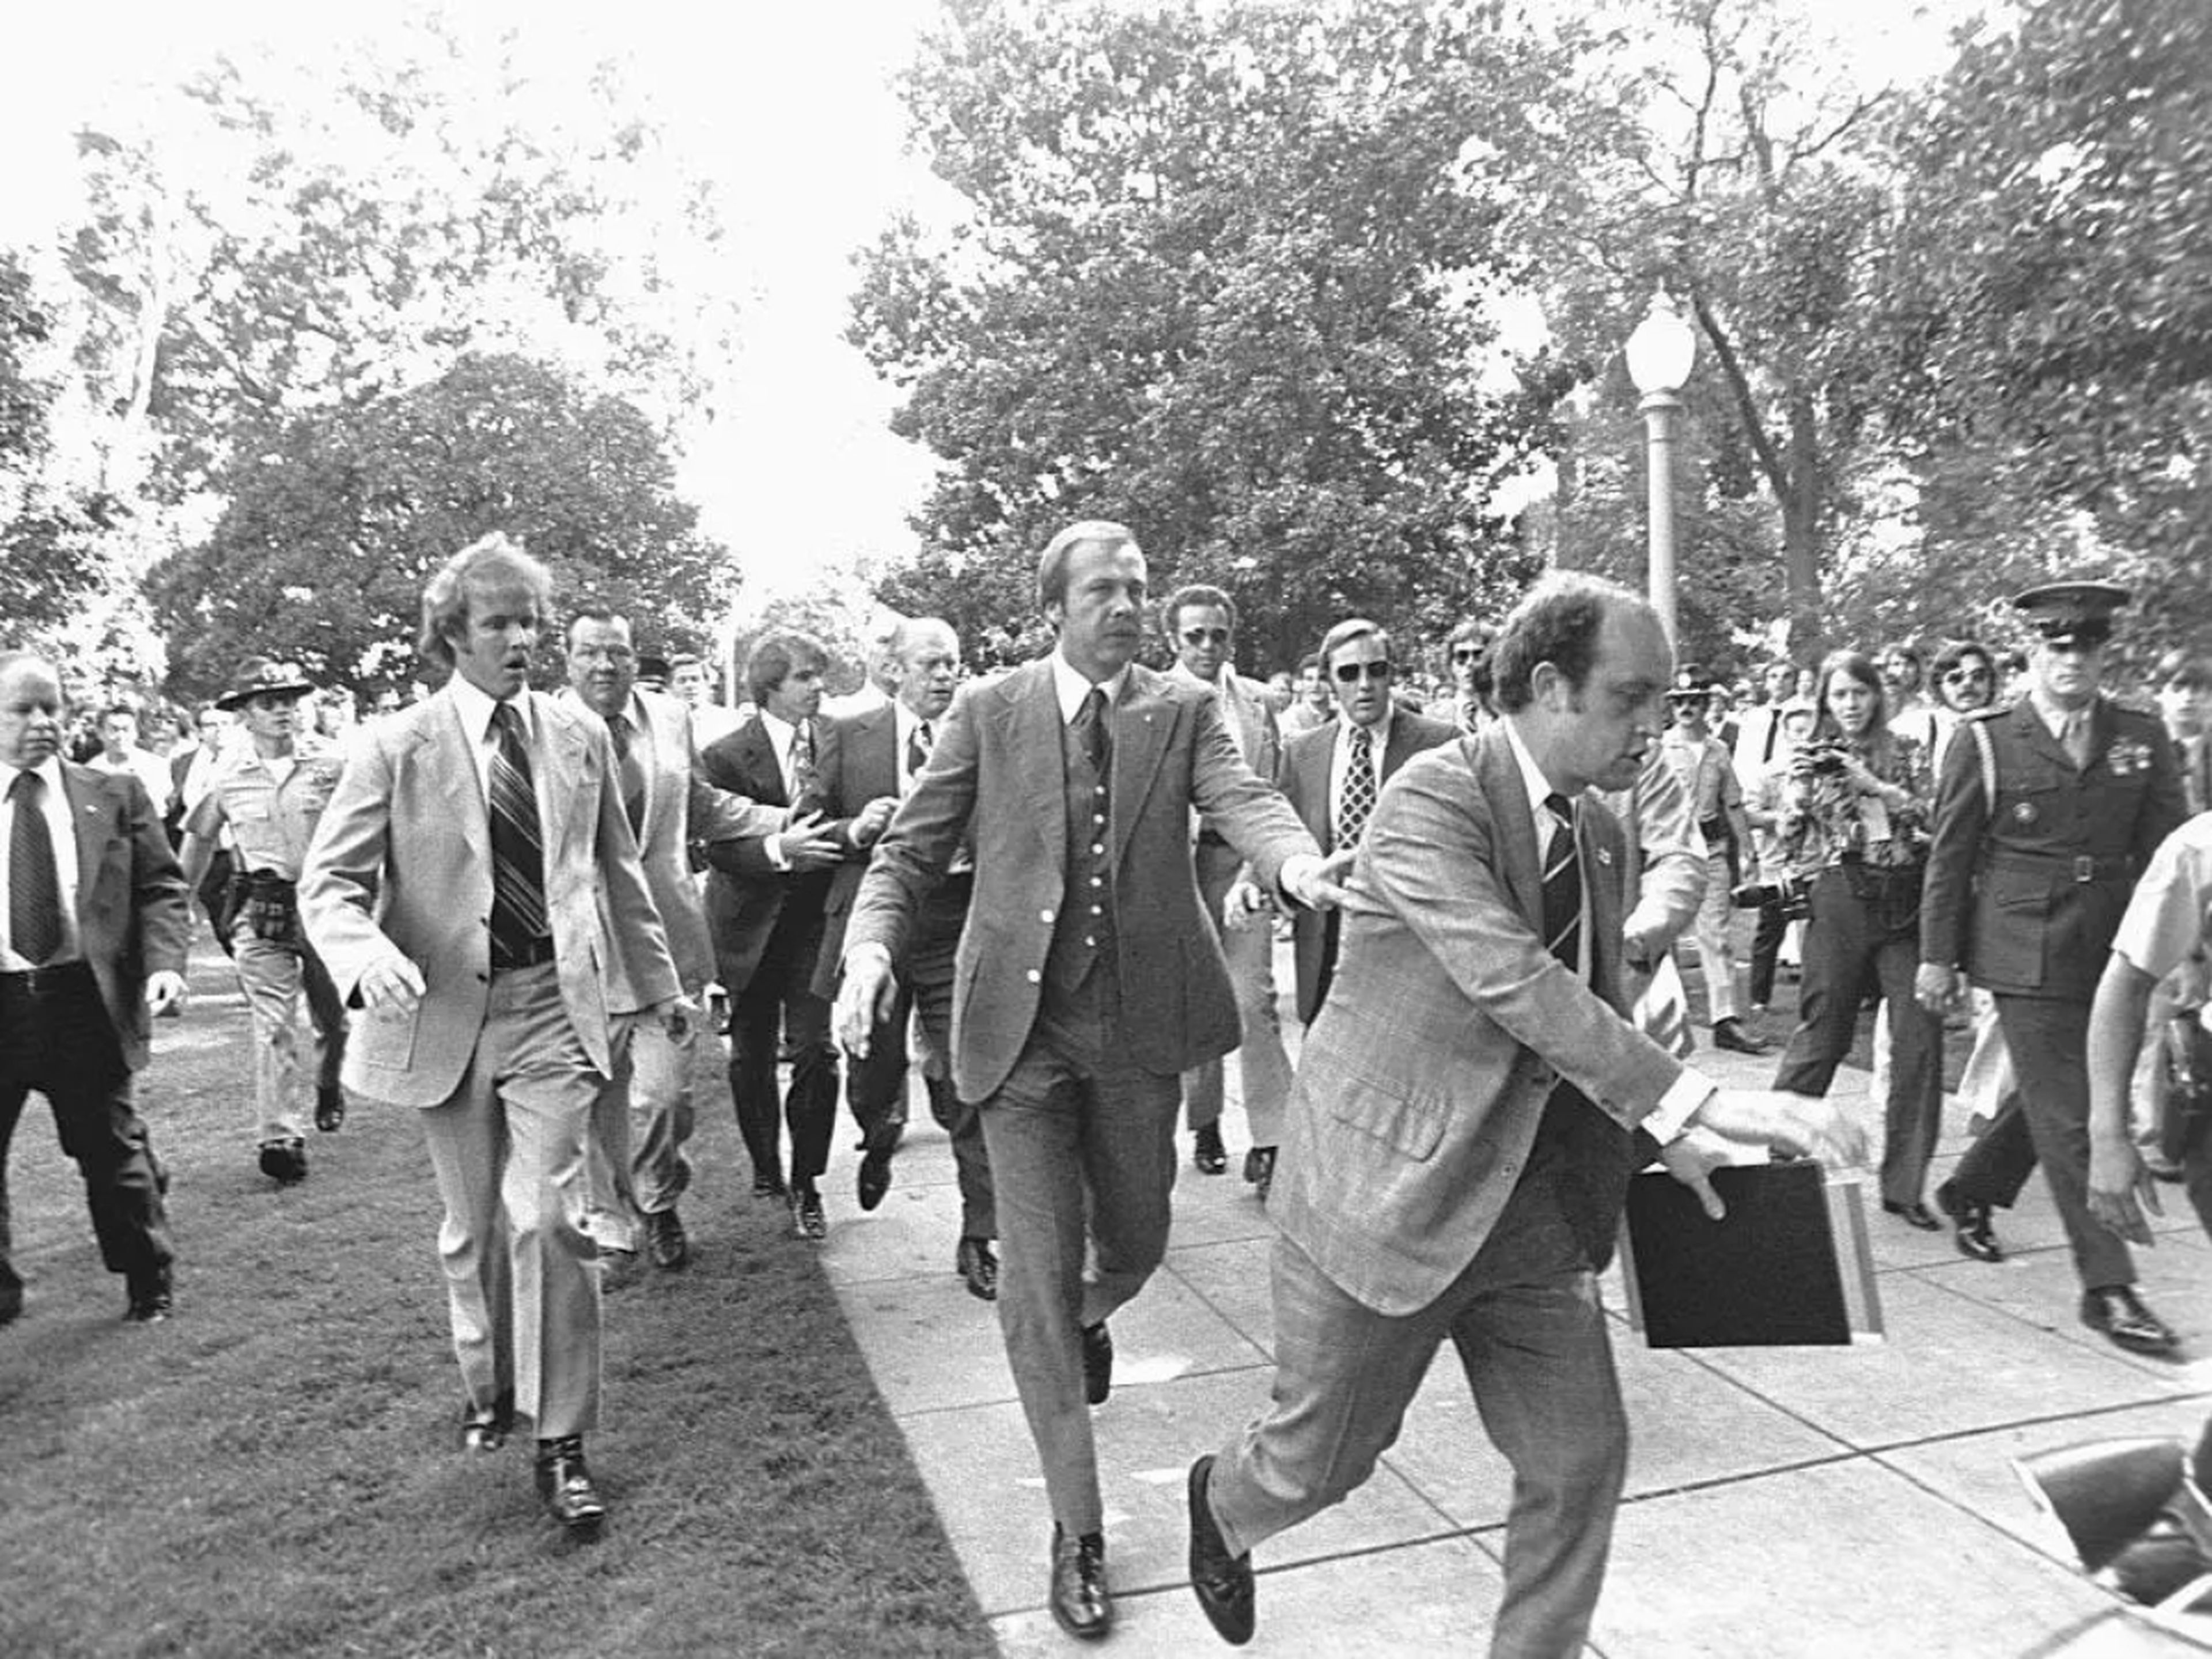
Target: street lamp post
[[1660, 354]]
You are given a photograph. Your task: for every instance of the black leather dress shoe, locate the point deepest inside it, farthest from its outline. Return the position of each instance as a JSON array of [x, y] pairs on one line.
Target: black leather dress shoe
[[875, 1177], [1259, 1169], [151, 1298], [2115, 1311], [1082, 1605], [565, 1486], [1207, 1151], [1970, 1224], [1730, 1035], [485, 1428], [11, 1305], [1914, 1214], [768, 1186], [807, 1220], [1098, 1362], [664, 1241], [330, 1110], [285, 1162], [973, 1262], [1222, 1582]]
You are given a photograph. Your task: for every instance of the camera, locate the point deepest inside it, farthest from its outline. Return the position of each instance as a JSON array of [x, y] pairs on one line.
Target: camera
[[1826, 757], [1794, 895]]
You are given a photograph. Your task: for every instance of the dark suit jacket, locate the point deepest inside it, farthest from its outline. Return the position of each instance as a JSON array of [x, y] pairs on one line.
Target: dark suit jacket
[[131, 915], [998, 770], [1305, 779], [857, 763], [748, 898], [2001, 897], [1422, 1083]]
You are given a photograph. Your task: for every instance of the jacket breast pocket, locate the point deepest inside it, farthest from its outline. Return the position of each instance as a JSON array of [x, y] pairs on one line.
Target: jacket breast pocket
[[1408, 1118]]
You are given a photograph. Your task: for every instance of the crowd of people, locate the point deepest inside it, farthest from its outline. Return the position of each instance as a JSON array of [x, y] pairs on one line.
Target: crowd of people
[[1057, 893]]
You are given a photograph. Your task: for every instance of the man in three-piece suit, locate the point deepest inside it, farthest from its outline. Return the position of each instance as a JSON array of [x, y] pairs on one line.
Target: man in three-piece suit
[[1201, 626], [878, 755], [95, 908], [1334, 774], [764, 908], [474, 887], [2024, 890], [1086, 980], [641, 1122], [1464, 1125]]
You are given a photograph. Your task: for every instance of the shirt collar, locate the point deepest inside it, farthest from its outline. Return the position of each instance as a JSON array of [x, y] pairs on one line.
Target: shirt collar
[[906, 722], [1344, 728], [49, 768], [476, 706], [780, 732], [2053, 717], [1532, 776], [1071, 687]]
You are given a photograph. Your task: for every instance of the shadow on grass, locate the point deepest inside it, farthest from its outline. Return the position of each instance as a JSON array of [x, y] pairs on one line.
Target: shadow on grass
[[275, 1471]]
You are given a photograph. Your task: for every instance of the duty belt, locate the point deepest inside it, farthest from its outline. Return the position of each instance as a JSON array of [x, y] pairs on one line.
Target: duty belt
[[2077, 866]]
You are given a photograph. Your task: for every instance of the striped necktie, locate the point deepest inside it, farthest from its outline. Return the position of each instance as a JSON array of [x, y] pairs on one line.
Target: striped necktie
[[34, 888], [1563, 886], [518, 849]]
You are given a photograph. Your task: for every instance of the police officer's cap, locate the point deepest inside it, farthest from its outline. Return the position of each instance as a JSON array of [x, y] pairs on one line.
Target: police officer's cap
[[259, 676], [1692, 684], [2073, 611]]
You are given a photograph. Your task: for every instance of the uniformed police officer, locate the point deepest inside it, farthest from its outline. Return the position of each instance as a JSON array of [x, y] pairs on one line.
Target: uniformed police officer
[[2023, 894], [268, 793]]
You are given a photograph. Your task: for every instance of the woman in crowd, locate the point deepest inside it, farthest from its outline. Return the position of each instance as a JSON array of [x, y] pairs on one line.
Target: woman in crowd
[[1854, 818]]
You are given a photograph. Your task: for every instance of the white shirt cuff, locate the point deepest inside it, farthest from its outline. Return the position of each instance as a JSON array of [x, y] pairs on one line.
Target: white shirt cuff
[[1665, 1123]]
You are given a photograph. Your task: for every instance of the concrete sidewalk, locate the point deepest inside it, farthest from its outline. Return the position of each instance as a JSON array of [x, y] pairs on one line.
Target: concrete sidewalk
[[1780, 1501]]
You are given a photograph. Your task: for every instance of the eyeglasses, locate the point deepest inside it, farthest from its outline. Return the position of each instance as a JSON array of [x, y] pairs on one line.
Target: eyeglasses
[[1468, 654], [1968, 677], [1206, 636], [1351, 674]]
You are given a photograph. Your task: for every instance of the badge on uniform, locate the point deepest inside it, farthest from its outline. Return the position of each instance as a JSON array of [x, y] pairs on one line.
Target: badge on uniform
[[2128, 756], [2024, 813], [1605, 856]]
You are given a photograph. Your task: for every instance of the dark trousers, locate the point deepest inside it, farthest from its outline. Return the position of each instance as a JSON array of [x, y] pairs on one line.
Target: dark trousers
[[775, 1005], [1854, 944], [2046, 1120], [1527, 1320], [1766, 937], [59, 1041]]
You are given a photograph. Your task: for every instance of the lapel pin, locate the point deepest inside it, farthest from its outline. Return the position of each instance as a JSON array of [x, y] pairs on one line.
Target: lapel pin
[[1605, 856]]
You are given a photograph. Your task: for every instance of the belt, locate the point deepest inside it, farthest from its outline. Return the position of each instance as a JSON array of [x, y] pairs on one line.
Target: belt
[[49, 980], [2077, 866], [539, 949]]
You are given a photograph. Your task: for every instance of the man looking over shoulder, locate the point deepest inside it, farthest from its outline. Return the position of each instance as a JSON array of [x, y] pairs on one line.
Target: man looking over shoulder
[[1085, 984], [475, 887], [1468, 1107]]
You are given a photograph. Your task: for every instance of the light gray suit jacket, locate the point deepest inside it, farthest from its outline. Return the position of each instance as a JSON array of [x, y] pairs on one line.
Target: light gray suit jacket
[[401, 865], [1425, 1075]]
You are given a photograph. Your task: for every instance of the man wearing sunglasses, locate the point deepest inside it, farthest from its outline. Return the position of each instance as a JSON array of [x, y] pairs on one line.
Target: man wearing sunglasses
[[1469, 651], [1334, 773], [2024, 894], [1201, 625]]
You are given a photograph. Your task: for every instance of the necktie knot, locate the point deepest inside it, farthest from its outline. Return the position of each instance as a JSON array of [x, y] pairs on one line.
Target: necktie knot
[[619, 728], [28, 791], [1090, 724]]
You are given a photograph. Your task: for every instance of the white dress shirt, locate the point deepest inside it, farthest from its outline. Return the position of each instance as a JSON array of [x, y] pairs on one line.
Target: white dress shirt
[[61, 830], [476, 706]]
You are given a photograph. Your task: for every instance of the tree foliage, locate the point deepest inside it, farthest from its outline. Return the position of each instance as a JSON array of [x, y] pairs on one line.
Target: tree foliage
[[1223, 278], [331, 532]]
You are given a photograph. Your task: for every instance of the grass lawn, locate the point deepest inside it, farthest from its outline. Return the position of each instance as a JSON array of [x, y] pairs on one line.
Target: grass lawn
[[275, 1471]]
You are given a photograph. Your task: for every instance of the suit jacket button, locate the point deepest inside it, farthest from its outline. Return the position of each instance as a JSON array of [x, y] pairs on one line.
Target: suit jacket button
[[1045, 916], [1033, 977]]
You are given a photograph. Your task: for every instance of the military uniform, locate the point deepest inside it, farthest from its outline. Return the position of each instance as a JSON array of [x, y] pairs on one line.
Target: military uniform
[[2025, 892], [271, 809]]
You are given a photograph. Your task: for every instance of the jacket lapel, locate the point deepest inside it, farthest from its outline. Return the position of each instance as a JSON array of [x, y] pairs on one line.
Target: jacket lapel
[[562, 769], [1142, 720], [2037, 736], [1032, 711], [449, 758], [92, 811], [1312, 766], [1511, 823]]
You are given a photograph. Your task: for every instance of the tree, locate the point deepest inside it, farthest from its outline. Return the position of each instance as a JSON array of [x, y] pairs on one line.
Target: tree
[[332, 533], [2050, 316], [1225, 278]]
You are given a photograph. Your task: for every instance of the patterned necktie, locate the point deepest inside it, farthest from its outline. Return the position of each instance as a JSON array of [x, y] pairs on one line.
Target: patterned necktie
[[631, 768], [917, 750], [1563, 886], [802, 761], [518, 850], [1359, 797], [35, 890], [1090, 724]]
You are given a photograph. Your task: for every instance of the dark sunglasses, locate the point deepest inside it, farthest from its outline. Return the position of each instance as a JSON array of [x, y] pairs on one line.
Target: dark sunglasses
[[1468, 654], [1353, 672], [1968, 677], [1206, 636]]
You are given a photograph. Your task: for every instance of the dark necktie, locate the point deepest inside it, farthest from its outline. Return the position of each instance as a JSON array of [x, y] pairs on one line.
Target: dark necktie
[[35, 890], [2076, 738], [1563, 886], [917, 751], [1358, 800], [802, 761], [518, 850], [1098, 738], [631, 768]]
